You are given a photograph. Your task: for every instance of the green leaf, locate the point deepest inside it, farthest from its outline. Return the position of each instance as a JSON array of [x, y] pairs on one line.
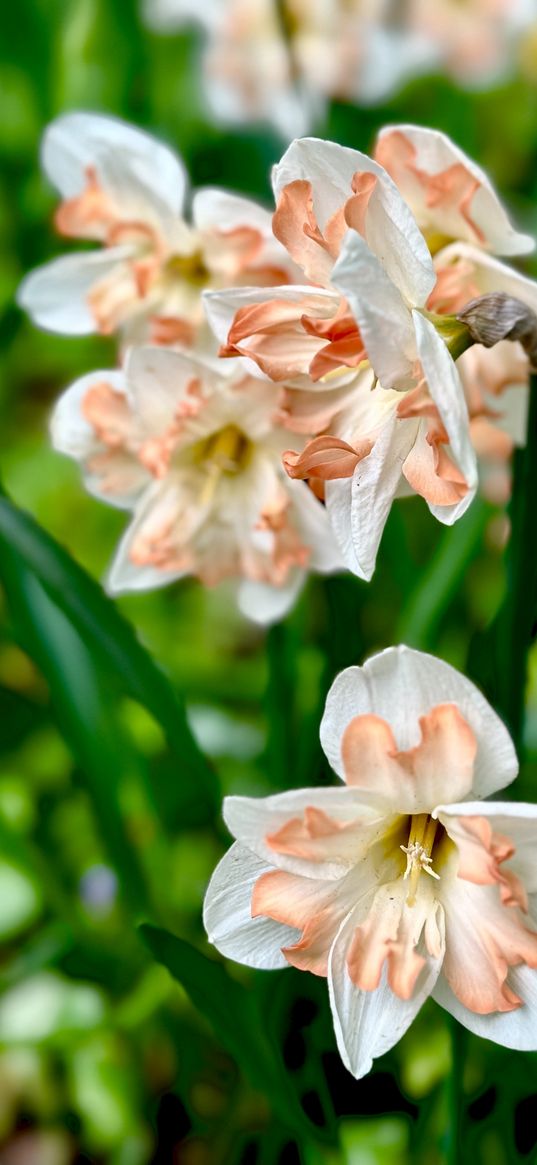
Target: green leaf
[[232, 1012], [85, 714], [107, 633], [437, 585]]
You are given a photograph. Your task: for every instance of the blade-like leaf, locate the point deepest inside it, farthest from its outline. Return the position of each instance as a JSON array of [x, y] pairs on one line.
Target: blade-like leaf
[[232, 1012], [85, 716], [106, 632]]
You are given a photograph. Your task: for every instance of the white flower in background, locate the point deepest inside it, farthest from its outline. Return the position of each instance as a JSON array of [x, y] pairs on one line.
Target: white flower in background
[[475, 42], [403, 882], [126, 190], [197, 457], [281, 60]]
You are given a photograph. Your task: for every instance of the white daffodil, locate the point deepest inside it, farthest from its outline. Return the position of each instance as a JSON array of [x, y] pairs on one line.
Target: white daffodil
[[122, 188], [361, 346], [197, 457], [450, 196], [404, 882]]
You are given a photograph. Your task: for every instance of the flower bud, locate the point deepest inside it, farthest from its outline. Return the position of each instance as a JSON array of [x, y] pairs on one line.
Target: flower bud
[[498, 316]]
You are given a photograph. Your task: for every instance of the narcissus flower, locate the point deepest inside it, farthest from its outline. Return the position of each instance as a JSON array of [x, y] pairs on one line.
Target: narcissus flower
[[197, 458], [124, 189], [362, 347], [404, 882]]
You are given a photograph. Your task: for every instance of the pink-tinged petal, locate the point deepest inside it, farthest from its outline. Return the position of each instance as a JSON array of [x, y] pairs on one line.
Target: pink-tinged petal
[[356, 208], [326, 458], [56, 295], [111, 471], [431, 472], [130, 163], [411, 781], [515, 820], [388, 224], [147, 556], [382, 314], [397, 935], [464, 272], [356, 820], [448, 193], [358, 507], [295, 226], [315, 908], [513, 1029], [448, 395], [481, 854], [227, 914], [484, 938], [265, 325], [369, 1023], [400, 685]]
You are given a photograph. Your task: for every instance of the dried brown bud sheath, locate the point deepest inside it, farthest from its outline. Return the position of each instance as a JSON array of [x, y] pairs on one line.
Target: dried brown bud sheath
[[498, 316]]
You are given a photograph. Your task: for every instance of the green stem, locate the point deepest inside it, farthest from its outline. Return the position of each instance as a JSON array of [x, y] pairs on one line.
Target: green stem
[[515, 625], [455, 1094], [439, 582]]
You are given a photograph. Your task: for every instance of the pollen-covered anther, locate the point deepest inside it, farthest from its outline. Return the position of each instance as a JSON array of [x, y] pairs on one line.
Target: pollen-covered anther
[[416, 855], [419, 852]]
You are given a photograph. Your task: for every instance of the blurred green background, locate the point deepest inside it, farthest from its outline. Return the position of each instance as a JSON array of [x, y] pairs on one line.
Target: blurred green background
[[109, 816]]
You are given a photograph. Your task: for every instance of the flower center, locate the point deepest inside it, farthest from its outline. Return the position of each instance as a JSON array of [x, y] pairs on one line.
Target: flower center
[[191, 268], [421, 839], [226, 452]]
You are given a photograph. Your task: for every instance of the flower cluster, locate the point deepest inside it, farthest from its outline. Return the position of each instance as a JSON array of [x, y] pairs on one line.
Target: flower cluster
[[281, 380], [283, 377], [279, 60]]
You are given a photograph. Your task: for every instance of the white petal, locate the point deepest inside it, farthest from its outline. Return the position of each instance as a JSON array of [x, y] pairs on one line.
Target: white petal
[[72, 434], [222, 306], [369, 1023], [313, 525], [125, 158], [227, 916], [158, 380], [516, 820], [391, 230], [55, 295], [219, 209], [251, 819], [446, 389], [265, 604], [513, 1029], [358, 507], [126, 576], [382, 314], [435, 153], [488, 273], [400, 685]]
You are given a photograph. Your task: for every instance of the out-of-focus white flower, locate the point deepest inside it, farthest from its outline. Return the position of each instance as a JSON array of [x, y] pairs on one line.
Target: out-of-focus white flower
[[126, 190], [404, 883], [280, 60], [197, 457], [475, 42]]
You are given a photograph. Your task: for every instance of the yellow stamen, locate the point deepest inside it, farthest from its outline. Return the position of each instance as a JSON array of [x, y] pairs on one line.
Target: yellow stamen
[[418, 852]]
